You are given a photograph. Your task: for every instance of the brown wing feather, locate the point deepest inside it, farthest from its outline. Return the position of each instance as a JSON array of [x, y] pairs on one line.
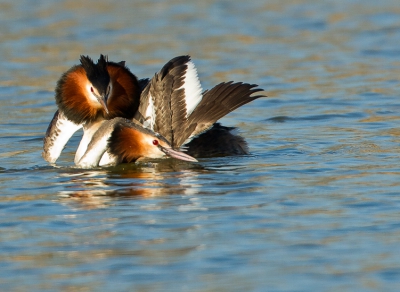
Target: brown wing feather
[[161, 92], [170, 106], [216, 103], [168, 100], [144, 103]]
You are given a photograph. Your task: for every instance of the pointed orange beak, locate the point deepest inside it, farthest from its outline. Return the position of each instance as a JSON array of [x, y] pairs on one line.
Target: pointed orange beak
[[177, 154]]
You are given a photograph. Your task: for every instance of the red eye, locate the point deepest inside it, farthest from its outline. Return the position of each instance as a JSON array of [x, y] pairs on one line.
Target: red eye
[[155, 142], [91, 89]]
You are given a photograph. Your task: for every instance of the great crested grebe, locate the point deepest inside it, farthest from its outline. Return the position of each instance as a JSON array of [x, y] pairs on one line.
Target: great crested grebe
[[174, 106], [171, 109]]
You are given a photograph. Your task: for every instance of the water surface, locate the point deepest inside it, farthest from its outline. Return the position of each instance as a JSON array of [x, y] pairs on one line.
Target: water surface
[[315, 207]]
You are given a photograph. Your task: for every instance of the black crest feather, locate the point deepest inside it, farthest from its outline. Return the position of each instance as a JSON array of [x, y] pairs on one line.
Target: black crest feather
[[97, 73]]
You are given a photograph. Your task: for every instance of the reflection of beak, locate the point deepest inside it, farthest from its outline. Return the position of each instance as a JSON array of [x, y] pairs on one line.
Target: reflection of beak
[[177, 154], [103, 101]]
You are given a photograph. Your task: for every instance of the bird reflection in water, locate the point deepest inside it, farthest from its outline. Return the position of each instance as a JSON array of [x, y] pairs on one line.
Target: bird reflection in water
[[99, 188]]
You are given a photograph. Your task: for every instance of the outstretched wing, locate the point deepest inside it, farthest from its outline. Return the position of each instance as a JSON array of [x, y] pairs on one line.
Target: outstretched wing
[[216, 103], [170, 98]]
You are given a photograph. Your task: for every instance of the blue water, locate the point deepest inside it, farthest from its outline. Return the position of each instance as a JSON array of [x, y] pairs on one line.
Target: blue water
[[315, 207]]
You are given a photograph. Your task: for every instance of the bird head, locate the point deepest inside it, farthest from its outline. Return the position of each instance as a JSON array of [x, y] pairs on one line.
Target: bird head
[[99, 82], [130, 142]]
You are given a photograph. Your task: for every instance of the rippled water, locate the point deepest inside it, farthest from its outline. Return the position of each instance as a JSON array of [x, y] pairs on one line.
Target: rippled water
[[316, 205]]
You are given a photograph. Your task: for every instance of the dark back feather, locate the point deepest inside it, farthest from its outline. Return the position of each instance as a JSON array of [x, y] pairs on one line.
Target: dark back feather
[[216, 142]]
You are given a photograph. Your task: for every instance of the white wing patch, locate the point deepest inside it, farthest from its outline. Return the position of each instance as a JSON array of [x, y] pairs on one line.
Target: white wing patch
[[192, 88], [150, 115]]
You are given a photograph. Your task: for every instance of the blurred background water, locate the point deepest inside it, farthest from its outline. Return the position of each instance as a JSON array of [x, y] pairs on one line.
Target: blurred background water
[[315, 207]]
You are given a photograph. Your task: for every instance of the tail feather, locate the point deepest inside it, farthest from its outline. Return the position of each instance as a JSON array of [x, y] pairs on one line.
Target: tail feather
[[217, 141]]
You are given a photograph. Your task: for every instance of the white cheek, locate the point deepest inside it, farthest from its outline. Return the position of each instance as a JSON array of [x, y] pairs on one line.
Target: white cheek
[[90, 94], [153, 151]]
